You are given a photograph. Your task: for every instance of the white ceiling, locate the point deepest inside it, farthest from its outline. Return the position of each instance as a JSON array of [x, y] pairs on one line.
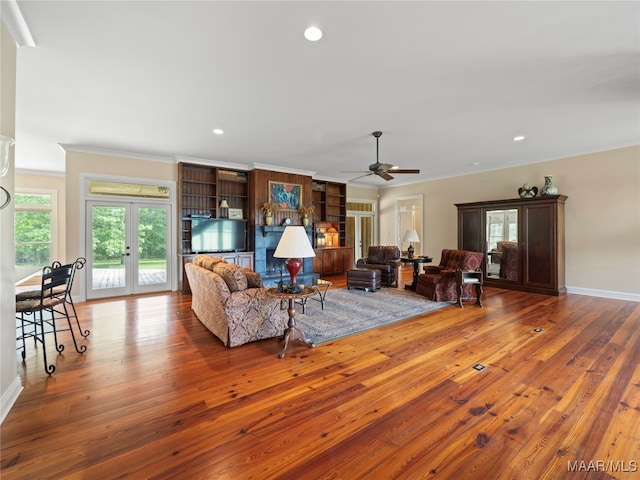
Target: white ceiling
[[449, 83]]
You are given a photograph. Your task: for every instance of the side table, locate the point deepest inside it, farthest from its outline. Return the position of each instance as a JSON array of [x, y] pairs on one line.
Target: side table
[[469, 276], [416, 265], [292, 332]]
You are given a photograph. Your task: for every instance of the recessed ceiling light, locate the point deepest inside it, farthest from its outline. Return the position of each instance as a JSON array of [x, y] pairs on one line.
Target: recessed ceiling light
[[313, 34], [518, 138], [475, 164], [218, 131]]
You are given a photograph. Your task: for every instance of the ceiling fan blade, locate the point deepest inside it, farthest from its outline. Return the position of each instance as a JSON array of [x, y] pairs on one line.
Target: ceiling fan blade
[[406, 170], [361, 176], [385, 175]]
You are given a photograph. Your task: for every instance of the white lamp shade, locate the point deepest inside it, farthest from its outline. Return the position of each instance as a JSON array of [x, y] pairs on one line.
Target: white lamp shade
[[294, 243], [224, 204], [411, 236]]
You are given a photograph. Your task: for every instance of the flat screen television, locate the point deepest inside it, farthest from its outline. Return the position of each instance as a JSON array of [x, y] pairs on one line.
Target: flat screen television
[[209, 235]]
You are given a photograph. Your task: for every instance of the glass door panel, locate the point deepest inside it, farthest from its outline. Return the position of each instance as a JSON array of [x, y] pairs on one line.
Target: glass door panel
[[360, 233], [502, 244], [151, 263], [108, 260]]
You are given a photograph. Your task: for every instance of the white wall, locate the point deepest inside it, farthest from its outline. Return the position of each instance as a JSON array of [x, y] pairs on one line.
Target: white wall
[[10, 385]]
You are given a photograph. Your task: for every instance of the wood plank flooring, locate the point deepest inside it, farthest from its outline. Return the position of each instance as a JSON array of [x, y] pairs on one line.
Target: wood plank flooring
[[156, 396]]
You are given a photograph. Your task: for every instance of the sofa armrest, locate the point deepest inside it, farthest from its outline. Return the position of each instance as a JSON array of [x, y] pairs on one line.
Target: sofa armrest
[[432, 268], [448, 273], [362, 261], [253, 314]]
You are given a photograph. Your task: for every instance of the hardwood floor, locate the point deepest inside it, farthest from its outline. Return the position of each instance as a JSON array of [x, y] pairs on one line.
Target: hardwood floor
[[157, 396]]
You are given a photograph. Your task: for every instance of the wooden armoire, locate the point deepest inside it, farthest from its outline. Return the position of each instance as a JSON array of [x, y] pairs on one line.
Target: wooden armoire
[[529, 230]]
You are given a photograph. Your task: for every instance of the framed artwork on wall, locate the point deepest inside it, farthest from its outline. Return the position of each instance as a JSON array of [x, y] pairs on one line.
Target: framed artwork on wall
[[235, 213], [288, 196]]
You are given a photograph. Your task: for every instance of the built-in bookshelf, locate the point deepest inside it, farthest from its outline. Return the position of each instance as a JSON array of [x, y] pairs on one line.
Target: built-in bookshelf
[[330, 202], [201, 189]]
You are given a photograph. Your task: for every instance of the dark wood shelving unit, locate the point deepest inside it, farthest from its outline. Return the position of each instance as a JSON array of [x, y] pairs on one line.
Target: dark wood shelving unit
[[200, 191], [330, 202], [201, 188]]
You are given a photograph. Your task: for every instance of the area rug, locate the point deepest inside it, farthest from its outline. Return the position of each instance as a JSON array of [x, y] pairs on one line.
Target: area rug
[[351, 311]]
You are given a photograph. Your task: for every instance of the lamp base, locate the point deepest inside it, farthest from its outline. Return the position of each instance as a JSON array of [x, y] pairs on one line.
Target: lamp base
[[410, 251], [293, 266]]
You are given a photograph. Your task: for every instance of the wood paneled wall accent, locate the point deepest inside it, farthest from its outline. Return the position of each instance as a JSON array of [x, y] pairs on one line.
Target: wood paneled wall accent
[[259, 188]]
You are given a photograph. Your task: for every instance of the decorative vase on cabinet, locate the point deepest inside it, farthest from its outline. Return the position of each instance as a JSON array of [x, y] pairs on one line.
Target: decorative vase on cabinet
[[548, 188]]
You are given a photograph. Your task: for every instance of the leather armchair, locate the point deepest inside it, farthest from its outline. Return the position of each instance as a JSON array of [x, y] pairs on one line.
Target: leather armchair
[[438, 283], [384, 258]]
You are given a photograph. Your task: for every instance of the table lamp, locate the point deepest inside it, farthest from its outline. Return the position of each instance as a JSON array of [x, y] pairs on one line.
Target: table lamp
[[224, 205], [294, 245], [410, 236]]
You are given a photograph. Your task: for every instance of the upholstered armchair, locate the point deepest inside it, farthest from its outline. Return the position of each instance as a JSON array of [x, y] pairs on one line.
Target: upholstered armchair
[[384, 258], [438, 282]]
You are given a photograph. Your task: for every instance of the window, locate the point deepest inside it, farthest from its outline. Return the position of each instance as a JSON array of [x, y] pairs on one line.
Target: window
[[34, 229]]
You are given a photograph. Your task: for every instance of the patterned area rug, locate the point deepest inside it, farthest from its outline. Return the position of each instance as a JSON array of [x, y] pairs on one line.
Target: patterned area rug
[[351, 311]]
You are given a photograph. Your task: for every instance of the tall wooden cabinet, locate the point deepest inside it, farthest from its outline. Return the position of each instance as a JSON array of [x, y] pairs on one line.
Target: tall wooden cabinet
[[531, 230]]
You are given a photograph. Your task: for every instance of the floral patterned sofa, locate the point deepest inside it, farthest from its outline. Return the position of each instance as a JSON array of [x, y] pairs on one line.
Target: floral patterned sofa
[[232, 302], [438, 283]]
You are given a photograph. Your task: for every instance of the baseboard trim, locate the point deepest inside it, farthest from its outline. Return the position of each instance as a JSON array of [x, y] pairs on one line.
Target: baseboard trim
[[632, 297], [9, 397]]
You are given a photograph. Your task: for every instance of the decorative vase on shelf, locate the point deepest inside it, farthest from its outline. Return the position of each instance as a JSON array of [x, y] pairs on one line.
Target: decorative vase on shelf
[[527, 191], [268, 218], [548, 188], [305, 220]]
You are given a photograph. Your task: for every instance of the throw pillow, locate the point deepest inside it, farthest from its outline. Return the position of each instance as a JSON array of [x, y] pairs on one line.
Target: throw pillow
[[254, 280], [233, 276], [205, 261]]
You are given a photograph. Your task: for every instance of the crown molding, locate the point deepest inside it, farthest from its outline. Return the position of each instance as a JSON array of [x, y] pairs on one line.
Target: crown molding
[[16, 24], [68, 147], [277, 168], [43, 173], [212, 163]]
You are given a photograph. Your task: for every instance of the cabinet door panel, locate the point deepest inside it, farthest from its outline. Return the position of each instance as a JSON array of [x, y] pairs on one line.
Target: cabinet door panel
[[470, 233], [540, 254]]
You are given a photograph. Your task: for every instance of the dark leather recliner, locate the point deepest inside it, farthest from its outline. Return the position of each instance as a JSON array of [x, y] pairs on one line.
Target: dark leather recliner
[[384, 258]]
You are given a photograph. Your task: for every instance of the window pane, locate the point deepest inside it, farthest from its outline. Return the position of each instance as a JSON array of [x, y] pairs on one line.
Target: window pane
[[32, 199], [33, 237], [33, 255], [32, 226]]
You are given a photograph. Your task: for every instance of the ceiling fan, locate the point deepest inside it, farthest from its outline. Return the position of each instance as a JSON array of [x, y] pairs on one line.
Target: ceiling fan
[[382, 169]]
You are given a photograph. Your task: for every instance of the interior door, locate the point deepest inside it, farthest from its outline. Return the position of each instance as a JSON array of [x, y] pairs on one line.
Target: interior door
[[360, 233], [128, 248]]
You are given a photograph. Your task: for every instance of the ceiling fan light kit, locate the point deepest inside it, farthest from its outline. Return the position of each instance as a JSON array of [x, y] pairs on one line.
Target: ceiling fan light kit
[[382, 169]]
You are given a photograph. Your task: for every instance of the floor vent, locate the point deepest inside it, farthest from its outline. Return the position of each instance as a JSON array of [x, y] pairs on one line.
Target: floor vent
[[478, 367]]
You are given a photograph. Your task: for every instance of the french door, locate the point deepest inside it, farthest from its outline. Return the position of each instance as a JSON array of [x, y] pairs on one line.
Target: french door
[[360, 232], [128, 248]]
